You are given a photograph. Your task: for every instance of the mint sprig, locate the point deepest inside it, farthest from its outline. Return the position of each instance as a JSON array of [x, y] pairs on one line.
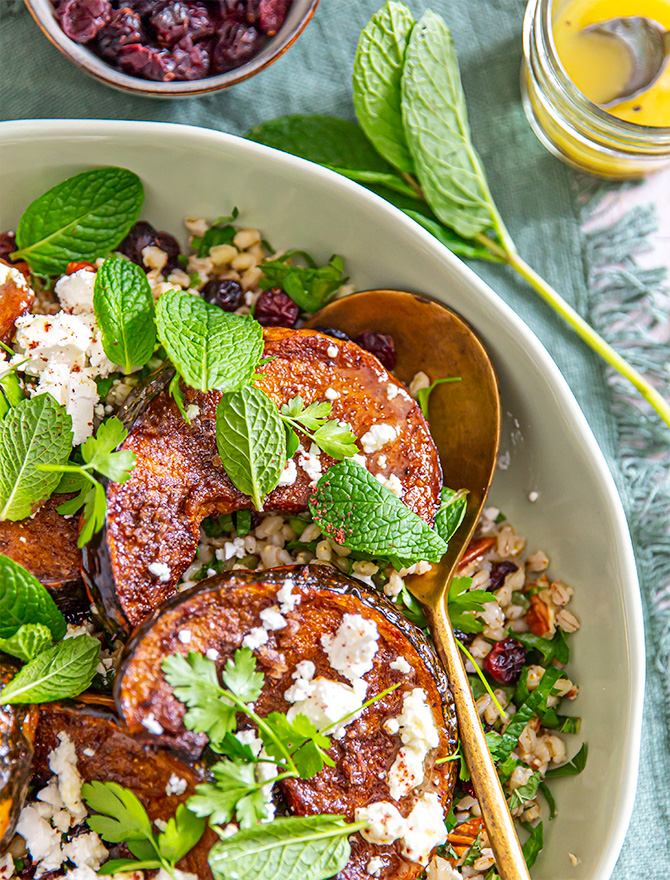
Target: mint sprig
[[251, 441], [23, 600], [124, 309], [334, 439], [63, 671], [36, 431], [211, 349], [355, 510], [81, 218], [28, 641]]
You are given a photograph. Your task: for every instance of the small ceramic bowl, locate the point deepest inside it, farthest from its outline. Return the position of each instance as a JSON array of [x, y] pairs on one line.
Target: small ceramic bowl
[[299, 15]]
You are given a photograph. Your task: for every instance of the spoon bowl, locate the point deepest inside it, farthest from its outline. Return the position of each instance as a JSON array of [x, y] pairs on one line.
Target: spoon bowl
[[465, 419]]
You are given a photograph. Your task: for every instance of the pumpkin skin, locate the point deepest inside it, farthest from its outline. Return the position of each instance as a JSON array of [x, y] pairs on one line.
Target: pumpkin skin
[[107, 752], [17, 733], [178, 479], [221, 610]]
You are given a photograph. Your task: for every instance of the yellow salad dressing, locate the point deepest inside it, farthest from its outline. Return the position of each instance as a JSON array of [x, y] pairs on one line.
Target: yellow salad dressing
[[599, 67]]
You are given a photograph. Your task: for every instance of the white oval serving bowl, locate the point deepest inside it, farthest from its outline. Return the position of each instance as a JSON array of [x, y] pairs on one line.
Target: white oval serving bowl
[[578, 519]]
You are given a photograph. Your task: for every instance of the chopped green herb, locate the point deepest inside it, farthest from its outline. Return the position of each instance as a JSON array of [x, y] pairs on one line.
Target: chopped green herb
[[573, 767], [310, 287]]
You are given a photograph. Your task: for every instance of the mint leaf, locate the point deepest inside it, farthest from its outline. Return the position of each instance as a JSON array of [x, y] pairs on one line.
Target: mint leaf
[[63, 671], [467, 248], [210, 348], [240, 676], [377, 178], [311, 286], [378, 66], [295, 848], [35, 431], [124, 309], [28, 641], [435, 122], [325, 140], [99, 452], [82, 218], [354, 509], [251, 441], [450, 515], [183, 831], [235, 781], [23, 600]]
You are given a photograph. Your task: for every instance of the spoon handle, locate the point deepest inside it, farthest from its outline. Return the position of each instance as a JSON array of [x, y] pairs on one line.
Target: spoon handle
[[495, 812]]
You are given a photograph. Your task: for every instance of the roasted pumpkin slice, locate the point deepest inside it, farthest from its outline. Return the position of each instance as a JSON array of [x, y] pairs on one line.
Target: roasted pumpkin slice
[[16, 298], [46, 545], [108, 753], [17, 732], [153, 519], [312, 609]]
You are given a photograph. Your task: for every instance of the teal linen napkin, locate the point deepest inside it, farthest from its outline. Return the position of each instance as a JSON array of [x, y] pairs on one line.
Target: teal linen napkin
[[544, 205]]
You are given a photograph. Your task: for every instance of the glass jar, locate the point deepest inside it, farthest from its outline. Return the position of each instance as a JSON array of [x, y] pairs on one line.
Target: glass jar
[[571, 127]]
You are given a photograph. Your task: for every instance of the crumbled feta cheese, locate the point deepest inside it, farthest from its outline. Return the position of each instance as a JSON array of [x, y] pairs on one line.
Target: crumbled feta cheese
[[175, 874], [175, 785], [332, 394], [185, 636], [6, 866], [75, 292], [89, 753], [359, 459], [212, 654], [392, 391], [11, 273], [533, 496], [160, 570], [392, 483], [150, 723], [385, 824], [425, 829], [310, 462], [419, 735], [248, 738], [161, 824], [391, 726], [86, 850], [43, 841], [303, 687], [289, 474], [353, 647], [401, 665], [374, 866], [329, 702], [381, 461], [255, 638], [272, 619], [63, 762], [287, 598], [192, 411], [378, 435], [331, 351]]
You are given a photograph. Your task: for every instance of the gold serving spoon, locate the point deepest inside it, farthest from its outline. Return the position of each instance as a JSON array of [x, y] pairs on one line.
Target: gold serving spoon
[[465, 423]]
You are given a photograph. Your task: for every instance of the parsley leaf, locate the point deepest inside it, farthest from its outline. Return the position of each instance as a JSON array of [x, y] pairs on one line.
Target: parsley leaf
[[300, 738], [251, 441], [36, 431], [235, 790], [210, 348], [335, 440], [124, 309], [240, 676], [28, 641], [122, 815], [63, 671], [310, 287], [23, 600], [354, 509], [462, 601], [183, 831]]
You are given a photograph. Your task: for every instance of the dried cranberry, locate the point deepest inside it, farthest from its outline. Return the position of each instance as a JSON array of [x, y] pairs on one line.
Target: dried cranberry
[[272, 15], [505, 661], [274, 308], [381, 345], [170, 23], [467, 786], [124, 29], [141, 7], [499, 571], [81, 20], [7, 245], [200, 21], [142, 235], [236, 44], [334, 332], [145, 61], [191, 61], [227, 295]]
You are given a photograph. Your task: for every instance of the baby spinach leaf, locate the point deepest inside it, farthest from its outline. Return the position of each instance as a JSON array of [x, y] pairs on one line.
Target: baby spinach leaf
[[533, 846], [354, 509], [325, 140], [28, 641], [23, 600], [537, 701], [295, 848], [210, 348], [438, 134], [124, 308], [573, 767], [35, 431], [82, 218], [63, 671], [378, 67], [251, 440], [311, 286]]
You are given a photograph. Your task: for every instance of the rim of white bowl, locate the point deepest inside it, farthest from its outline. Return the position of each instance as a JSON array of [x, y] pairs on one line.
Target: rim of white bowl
[[43, 129]]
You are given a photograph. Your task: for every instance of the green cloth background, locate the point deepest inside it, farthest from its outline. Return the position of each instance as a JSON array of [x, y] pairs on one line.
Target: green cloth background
[[536, 194]]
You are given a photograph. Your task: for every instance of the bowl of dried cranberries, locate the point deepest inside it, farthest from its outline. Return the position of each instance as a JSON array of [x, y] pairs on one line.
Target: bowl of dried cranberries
[[172, 48]]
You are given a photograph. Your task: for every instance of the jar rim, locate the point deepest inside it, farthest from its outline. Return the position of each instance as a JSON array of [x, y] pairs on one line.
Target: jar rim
[[540, 12]]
